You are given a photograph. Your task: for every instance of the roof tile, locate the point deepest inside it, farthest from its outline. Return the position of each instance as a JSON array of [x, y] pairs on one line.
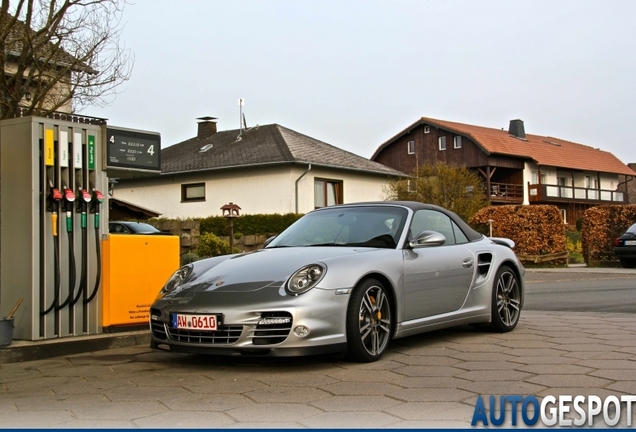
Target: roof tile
[[266, 144]]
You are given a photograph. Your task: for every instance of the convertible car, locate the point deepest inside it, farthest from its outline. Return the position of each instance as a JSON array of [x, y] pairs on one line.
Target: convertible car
[[347, 278]]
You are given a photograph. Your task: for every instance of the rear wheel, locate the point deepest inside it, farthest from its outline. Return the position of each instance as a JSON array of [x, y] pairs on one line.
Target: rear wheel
[[628, 262], [506, 300], [369, 325]]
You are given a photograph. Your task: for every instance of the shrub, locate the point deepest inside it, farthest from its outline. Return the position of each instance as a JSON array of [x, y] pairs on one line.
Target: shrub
[[211, 245], [189, 257]]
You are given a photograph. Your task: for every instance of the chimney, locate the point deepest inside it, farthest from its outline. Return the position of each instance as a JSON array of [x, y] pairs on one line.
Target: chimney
[[516, 129], [207, 127]]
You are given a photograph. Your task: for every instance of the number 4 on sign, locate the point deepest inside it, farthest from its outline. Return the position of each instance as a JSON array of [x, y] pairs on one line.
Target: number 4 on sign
[[112, 139], [151, 150]]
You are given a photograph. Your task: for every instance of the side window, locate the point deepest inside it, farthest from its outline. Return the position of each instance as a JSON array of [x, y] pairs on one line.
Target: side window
[[460, 237], [431, 220], [193, 192]]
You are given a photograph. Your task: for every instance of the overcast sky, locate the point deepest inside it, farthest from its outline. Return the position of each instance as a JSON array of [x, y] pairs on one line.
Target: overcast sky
[[354, 73]]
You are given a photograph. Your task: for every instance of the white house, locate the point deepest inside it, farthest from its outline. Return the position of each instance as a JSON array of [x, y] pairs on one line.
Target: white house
[[266, 169]]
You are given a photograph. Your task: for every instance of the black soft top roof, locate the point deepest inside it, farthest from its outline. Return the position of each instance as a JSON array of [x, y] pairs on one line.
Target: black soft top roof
[[415, 206]]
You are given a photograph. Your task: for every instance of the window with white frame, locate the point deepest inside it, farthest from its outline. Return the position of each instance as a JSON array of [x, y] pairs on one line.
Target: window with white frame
[[410, 147], [442, 143], [457, 142], [327, 192], [427, 129], [193, 192]]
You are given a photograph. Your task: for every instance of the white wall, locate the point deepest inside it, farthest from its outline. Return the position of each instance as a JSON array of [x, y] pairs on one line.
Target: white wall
[[256, 190]]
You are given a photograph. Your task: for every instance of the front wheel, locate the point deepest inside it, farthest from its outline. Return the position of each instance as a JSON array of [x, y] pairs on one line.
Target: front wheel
[[506, 300], [369, 325]]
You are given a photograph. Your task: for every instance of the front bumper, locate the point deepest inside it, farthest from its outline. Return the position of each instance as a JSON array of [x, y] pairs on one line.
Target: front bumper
[[242, 330]]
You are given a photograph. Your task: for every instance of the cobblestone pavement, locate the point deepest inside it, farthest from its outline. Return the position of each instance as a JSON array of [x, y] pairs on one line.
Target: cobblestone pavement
[[429, 380]]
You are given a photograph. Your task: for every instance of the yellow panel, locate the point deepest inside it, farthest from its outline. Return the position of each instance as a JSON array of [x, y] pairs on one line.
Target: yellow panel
[[135, 268], [48, 147]]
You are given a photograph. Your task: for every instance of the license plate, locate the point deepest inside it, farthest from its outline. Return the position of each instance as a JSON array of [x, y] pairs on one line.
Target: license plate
[[630, 242], [194, 322]]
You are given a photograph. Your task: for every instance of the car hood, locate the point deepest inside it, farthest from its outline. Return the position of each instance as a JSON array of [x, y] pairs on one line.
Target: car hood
[[256, 270]]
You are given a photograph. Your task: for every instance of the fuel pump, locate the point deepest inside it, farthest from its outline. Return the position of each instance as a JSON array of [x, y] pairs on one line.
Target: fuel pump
[[53, 204], [82, 208], [96, 201], [67, 207]]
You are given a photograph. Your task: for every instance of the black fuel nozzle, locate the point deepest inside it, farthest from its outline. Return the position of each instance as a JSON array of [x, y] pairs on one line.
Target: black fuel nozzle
[[97, 200]]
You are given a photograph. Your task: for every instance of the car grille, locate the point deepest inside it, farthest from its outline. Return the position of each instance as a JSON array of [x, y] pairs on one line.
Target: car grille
[[224, 335], [158, 330], [273, 332]]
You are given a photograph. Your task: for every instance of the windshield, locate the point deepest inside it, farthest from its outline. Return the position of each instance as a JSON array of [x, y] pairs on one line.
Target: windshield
[[378, 226], [143, 228]]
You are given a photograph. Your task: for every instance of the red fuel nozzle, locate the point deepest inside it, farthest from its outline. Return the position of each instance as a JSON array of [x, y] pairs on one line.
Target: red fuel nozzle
[[98, 197], [86, 196], [56, 195], [69, 195]]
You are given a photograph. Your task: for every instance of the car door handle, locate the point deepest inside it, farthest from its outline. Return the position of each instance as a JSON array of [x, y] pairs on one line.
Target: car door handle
[[468, 262]]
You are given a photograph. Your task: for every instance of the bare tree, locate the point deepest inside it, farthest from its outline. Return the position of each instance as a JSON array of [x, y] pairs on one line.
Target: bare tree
[[60, 55], [455, 188]]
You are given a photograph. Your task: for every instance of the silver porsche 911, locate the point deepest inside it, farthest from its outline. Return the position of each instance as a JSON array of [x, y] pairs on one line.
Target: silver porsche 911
[[345, 278]]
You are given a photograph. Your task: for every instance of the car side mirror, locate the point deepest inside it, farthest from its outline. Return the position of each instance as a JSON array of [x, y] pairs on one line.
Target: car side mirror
[[269, 240], [427, 239]]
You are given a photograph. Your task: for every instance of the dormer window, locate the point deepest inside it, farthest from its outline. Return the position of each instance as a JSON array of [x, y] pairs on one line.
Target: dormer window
[[206, 148]]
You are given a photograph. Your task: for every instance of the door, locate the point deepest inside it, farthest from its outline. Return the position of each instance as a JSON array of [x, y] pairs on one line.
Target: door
[[436, 278]]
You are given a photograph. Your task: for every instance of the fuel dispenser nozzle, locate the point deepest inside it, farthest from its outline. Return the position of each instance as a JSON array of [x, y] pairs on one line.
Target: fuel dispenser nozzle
[[53, 205], [83, 206], [97, 200], [67, 206], [54, 199]]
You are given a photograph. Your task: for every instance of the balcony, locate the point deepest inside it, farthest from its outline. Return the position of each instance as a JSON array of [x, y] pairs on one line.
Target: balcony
[[544, 193], [506, 193]]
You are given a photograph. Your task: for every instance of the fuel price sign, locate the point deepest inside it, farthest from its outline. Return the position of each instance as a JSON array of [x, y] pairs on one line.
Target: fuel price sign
[[132, 149]]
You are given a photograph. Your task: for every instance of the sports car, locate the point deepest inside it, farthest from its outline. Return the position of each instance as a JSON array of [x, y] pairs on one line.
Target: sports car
[[347, 278]]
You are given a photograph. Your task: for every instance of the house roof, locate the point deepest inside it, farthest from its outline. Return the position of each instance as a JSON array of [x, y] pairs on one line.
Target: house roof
[[19, 34], [544, 150], [134, 208], [265, 145]]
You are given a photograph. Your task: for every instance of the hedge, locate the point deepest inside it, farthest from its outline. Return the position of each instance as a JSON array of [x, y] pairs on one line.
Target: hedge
[[537, 230], [268, 224], [601, 226]]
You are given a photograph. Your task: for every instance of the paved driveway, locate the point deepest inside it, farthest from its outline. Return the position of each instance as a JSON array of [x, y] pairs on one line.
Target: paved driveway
[[429, 380]]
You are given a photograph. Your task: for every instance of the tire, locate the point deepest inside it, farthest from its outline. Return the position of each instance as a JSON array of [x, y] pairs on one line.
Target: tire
[[369, 321], [628, 262], [506, 300]]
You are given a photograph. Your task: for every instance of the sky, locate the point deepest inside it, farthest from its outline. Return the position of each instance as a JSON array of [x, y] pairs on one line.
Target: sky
[[354, 73]]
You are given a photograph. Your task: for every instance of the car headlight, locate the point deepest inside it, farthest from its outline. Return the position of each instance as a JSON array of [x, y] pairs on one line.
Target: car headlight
[[305, 279], [176, 280]]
